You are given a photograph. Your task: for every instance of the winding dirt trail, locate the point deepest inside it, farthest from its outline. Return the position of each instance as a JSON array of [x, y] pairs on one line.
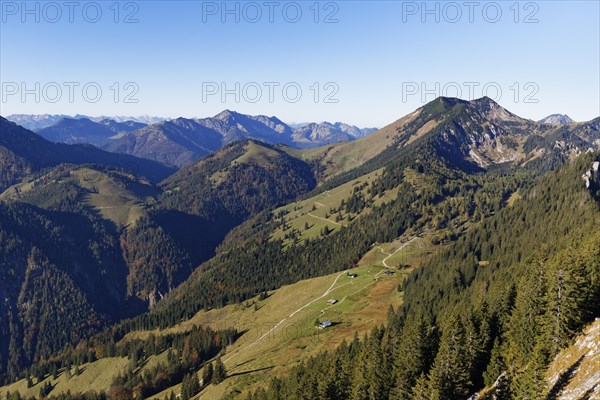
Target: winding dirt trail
[[324, 219], [397, 250]]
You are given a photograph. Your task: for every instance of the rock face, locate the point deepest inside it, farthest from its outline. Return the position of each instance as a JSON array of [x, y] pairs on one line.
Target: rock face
[[575, 372], [484, 133], [592, 176]]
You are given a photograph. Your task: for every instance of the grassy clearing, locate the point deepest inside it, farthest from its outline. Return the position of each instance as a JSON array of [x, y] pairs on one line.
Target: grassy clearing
[[253, 152], [95, 376], [256, 152], [516, 196], [116, 201], [282, 330]]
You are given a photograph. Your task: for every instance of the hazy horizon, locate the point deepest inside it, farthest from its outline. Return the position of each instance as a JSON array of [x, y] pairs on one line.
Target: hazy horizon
[[296, 60]]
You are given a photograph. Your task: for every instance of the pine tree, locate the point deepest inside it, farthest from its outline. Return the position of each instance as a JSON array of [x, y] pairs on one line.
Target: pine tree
[[219, 372], [567, 292], [496, 366], [190, 386], [207, 373], [450, 377], [530, 384]]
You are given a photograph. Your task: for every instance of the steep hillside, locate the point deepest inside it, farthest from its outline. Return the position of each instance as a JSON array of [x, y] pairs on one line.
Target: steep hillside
[[61, 277], [271, 249], [575, 371], [242, 179], [265, 346]]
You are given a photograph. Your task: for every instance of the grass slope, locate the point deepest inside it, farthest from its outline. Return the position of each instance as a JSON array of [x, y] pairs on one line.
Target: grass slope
[[94, 376]]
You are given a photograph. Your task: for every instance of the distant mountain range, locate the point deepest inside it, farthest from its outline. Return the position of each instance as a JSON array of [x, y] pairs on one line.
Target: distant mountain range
[[84, 130], [182, 141], [35, 122]]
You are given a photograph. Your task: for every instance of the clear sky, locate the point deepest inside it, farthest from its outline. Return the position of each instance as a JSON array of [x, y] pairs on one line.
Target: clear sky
[[363, 62]]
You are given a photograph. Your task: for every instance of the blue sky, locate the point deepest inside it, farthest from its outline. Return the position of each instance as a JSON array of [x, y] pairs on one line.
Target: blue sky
[[362, 62]]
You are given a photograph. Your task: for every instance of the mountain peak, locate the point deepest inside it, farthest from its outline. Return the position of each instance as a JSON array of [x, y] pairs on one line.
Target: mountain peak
[[493, 110], [225, 114], [556, 119], [484, 101]]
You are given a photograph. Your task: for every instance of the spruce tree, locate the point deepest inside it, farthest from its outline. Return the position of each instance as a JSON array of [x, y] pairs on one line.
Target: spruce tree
[[567, 292], [219, 372], [207, 373], [496, 366], [530, 383], [190, 386], [411, 358], [450, 377]]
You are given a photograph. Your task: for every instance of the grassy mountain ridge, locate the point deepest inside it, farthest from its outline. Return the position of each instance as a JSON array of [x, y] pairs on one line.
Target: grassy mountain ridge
[[242, 179]]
